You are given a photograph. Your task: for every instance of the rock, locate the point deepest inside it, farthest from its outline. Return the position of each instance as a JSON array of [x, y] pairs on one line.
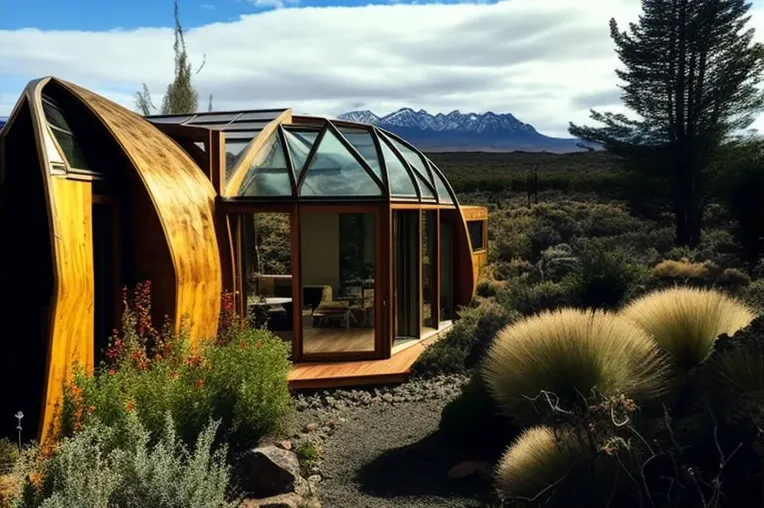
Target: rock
[[314, 479], [268, 471], [281, 501], [311, 427], [285, 444], [469, 468]]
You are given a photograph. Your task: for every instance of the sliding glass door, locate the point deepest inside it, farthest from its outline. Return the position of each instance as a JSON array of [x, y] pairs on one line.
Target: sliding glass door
[[338, 274], [406, 276]]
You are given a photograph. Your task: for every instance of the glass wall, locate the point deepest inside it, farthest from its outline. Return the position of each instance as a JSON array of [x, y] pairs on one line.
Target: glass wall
[[338, 266], [406, 276], [266, 259], [446, 272], [429, 268]]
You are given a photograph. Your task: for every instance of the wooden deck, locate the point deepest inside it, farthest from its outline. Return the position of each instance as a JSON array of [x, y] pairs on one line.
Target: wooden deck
[[395, 369]]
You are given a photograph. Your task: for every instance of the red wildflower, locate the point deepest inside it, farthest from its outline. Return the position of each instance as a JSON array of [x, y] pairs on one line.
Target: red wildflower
[[199, 383], [130, 405], [91, 409], [243, 344]]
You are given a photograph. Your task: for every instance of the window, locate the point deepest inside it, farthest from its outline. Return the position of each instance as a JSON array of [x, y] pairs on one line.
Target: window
[[63, 133], [477, 234]]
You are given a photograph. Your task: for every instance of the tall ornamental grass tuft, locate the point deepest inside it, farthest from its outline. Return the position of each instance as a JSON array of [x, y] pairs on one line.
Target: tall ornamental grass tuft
[[686, 321], [561, 356], [536, 460]]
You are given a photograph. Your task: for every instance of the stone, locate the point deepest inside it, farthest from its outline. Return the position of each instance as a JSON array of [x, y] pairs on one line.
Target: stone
[[285, 444], [314, 479], [280, 501], [469, 468], [268, 471], [311, 427]]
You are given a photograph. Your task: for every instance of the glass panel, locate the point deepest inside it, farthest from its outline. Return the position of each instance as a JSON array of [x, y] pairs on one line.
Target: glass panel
[[241, 136], [260, 115], [475, 228], [413, 158], [440, 186], [171, 119], [266, 260], [338, 280], [203, 118], [268, 174], [335, 172], [406, 275], [247, 125], [363, 142], [446, 273], [426, 192], [429, 268], [400, 180], [63, 134], [232, 151], [299, 144]]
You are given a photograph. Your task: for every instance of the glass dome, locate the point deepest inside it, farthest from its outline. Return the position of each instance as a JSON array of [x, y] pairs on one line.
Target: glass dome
[[315, 158]]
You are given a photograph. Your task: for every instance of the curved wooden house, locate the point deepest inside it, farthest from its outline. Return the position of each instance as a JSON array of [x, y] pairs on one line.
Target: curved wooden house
[[374, 253]]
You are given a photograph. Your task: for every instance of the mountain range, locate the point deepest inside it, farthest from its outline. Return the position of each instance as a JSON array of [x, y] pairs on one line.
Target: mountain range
[[464, 132]]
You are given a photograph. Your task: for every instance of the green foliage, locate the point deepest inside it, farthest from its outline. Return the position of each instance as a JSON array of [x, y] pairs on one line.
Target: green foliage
[[604, 279], [527, 298], [754, 295], [686, 321], [744, 195], [566, 353], [308, 455], [466, 343], [239, 379], [685, 108], [88, 470], [180, 97]]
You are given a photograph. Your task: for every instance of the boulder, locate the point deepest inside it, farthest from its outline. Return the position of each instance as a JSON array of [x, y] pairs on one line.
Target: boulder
[[268, 471]]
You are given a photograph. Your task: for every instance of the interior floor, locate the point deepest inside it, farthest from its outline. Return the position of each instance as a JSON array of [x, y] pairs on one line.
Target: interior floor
[[334, 340]]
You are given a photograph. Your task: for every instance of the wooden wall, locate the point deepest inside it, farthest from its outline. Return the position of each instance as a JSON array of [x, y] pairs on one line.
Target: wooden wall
[[183, 199]]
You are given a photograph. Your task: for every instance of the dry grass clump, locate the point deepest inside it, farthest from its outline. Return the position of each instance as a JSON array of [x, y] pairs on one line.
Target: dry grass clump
[[686, 321], [568, 352], [536, 460], [681, 269]]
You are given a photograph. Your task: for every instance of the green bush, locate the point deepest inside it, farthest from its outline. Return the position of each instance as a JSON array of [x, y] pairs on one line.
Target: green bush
[[605, 279], [527, 298], [240, 379], [754, 295], [464, 345], [89, 470], [557, 356]]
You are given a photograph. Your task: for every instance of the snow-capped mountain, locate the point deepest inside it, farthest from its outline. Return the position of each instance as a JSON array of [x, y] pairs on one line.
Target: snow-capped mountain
[[457, 131]]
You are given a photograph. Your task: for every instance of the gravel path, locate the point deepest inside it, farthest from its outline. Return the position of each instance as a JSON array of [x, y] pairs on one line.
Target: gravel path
[[380, 449]]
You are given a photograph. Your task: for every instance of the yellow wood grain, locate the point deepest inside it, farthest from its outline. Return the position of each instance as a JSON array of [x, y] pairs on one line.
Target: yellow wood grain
[[183, 198], [71, 335]]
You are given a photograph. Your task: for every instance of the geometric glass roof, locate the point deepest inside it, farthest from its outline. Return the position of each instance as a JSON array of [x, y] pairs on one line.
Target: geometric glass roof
[[316, 158]]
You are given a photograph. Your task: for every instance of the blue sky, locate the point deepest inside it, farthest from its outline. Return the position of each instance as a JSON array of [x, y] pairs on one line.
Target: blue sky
[[545, 61]]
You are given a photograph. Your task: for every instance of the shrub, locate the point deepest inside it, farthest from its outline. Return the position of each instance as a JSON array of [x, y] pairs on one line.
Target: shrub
[[569, 352], [539, 458], [240, 379], [754, 295], [527, 298], [604, 279], [681, 269], [556, 262], [464, 345], [88, 471], [475, 423], [686, 321], [732, 277]]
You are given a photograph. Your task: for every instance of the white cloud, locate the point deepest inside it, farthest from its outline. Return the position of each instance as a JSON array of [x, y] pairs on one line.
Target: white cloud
[[547, 62], [208, 7], [276, 4]]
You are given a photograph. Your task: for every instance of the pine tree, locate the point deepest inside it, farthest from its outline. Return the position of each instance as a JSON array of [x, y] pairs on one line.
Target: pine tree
[[180, 97], [691, 74]]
